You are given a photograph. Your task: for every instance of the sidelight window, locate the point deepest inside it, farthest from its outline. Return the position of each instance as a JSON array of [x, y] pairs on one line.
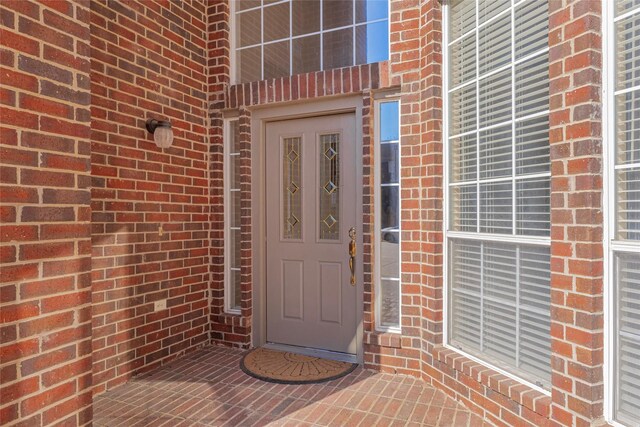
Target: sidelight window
[[388, 265], [233, 296]]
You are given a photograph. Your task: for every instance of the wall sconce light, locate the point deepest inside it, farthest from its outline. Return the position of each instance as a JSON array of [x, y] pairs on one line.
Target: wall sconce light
[[162, 133]]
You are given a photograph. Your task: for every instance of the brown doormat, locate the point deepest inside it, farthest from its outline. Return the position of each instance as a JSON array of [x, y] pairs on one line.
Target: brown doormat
[[291, 368]]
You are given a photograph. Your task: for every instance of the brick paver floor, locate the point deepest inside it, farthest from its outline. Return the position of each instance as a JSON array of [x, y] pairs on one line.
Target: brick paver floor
[[207, 388]]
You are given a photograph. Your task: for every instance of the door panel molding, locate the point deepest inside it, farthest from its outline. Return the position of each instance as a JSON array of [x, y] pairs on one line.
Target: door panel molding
[[330, 299], [292, 289]]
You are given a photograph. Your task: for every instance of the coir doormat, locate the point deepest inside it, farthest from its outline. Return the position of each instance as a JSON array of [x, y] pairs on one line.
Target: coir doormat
[[291, 368]]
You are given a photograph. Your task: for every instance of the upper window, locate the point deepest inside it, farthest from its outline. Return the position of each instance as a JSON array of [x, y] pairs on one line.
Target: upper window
[[287, 37], [498, 179], [623, 179]]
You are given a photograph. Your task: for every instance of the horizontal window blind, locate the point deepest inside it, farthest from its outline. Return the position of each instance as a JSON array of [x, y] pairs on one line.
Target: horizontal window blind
[[628, 280], [499, 184], [624, 181], [500, 303]]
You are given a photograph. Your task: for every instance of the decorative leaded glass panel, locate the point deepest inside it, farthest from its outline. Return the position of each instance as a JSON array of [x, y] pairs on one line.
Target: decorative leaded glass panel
[[329, 175], [292, 188]]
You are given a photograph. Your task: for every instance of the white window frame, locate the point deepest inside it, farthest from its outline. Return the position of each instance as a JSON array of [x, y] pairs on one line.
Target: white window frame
[[226, 177], [485, 237], [611, 244], [353, 24], [377, 217]]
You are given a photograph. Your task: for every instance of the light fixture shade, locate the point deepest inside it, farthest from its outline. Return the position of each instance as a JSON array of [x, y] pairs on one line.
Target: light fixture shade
[[162, 133], [163, 137]]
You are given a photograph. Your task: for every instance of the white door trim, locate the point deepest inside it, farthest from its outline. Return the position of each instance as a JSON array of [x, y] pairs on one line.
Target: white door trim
[[260, 116]]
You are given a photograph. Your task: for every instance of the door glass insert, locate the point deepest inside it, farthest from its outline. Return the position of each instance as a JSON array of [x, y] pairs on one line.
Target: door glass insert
[[291, 188], [329, 202]]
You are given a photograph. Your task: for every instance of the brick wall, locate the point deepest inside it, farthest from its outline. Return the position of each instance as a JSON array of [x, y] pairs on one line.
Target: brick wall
[[170, 60], [414, 72], [150, 221], [45, 246]]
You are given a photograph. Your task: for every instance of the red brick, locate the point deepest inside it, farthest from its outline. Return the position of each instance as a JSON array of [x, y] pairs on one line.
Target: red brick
[[15, 312], [45, 106], [33, 404], [14, 391], [46, 250], [19, 42]]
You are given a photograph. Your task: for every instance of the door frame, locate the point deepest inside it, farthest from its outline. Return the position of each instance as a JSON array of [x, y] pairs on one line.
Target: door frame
[[260, 116]]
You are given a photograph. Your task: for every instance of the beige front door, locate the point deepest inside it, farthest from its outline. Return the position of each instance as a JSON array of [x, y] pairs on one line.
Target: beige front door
[[311, 205]]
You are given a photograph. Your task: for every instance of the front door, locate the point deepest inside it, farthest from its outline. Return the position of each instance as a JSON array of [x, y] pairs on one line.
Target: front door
[[311, 206]]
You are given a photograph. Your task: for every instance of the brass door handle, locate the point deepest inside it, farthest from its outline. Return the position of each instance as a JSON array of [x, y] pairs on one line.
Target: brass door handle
[[352, 254]]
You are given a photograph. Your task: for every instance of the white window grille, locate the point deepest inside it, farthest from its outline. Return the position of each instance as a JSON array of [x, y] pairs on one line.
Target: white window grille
[[231, 176], [387, 218], [622, 186], [286, 37], [498, 184]]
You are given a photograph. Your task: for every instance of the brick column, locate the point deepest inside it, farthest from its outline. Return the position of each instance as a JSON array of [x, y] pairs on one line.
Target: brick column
[[431, 162], [219, 69], [576, 211], [45, 236], [404, 71], [392, 352]]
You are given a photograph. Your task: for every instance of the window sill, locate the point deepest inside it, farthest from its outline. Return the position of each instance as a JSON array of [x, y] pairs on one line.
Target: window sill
[[486, 383], [384, 339], [233, 319]]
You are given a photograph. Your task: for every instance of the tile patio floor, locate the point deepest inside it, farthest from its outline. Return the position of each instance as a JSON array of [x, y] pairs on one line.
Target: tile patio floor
[[207, 388]]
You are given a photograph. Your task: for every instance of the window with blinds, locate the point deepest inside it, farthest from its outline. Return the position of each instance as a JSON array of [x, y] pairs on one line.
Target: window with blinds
[[624, 192], [498, 178]]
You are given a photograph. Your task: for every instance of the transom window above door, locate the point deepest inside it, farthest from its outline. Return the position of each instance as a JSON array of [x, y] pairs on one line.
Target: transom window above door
[[275, 38]]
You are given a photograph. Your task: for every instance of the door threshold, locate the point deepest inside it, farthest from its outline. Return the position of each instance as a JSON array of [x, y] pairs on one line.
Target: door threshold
[[313, 352]]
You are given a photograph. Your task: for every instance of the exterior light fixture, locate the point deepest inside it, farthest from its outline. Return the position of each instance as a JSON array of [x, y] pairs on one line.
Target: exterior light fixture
[[162, 133]]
